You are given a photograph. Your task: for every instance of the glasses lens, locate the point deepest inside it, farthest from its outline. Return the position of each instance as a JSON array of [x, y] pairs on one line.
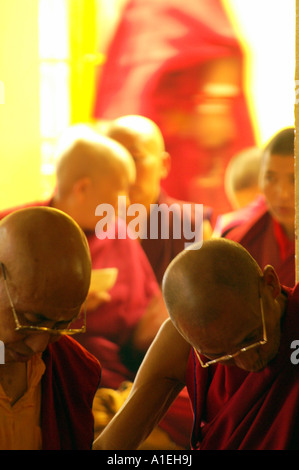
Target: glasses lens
[[77, 326]]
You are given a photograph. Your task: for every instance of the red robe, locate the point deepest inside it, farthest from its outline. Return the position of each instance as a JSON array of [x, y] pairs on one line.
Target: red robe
[[266, 241], [239, 410], [154, 67], [69, 384], [226, 222]]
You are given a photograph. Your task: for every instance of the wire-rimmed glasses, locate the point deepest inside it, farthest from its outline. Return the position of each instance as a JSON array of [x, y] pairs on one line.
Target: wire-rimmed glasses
[[35, 328], [227, 357]]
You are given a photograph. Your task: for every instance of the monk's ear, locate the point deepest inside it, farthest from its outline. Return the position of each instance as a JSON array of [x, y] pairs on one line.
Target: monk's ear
[[166, 164], [81, 188], [271, 281]]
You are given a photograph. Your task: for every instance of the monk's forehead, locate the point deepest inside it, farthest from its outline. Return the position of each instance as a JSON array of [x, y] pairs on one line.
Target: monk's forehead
[[219, 322], [40, 234], [204, 283], [46, 276]]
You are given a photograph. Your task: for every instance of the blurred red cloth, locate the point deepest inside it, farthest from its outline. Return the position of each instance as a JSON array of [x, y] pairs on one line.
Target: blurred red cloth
[[154, 65]]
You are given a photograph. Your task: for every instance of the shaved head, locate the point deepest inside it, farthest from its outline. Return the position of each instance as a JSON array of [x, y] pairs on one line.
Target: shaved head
[[243, 169], [87, 154], [221, 302], [242, 177], [144, 140], [92, 169], [139, 127], [46, 256], [197, 282]]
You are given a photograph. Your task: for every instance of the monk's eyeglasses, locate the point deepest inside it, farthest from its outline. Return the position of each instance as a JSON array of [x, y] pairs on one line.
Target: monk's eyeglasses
[[227, 357], [25, 329]]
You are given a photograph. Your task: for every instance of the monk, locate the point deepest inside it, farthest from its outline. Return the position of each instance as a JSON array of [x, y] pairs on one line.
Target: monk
[[269, 232], [44, 280], [144, 140], [229, 338]]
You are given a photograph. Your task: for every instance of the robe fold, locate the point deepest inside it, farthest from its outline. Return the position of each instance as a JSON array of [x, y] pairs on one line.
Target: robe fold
[[239, 410], [69, 384]]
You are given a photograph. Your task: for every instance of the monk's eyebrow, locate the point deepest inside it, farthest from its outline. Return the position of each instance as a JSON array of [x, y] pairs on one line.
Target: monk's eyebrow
[[40, 318], [250, 337]]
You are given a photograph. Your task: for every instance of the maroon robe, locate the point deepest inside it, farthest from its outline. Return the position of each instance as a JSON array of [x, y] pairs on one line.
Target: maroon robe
[[226, 222], [154, 66], [239, 410], [265, 240], [69, 384]]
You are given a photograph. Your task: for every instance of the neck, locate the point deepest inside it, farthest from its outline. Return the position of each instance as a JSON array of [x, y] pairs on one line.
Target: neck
[[64, 205], [58, 203], [13, 379]]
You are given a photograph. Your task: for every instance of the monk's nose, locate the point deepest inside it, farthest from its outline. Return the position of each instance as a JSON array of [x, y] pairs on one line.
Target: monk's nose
[[38, 342], [250, 361]]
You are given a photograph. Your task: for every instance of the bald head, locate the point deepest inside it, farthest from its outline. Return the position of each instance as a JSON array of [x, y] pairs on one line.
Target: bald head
[[92, 170], [197, 282], [242, 177], [141, 129], [144, 140], [46, 256], [86, 154]]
